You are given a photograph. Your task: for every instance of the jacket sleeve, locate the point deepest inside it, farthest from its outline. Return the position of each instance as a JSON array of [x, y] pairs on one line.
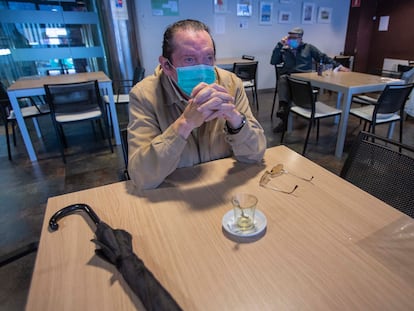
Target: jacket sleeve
[[249, 144], [318, 55], [152, 154], [276, 54]]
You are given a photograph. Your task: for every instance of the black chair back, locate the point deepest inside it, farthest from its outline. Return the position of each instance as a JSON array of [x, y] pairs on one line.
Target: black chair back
[[343, 60], [383, 168], [246, 71], [74, 97], [301, 93], [4, 104], [393, 99], [139, 74], [404, 68]]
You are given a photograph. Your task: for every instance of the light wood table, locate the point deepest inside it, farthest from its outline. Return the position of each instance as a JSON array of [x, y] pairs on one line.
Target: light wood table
[[34, 86], [329, 246], [346, 84]]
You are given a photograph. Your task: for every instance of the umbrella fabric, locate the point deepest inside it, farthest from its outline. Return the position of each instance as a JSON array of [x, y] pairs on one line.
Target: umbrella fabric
[[116, 248]]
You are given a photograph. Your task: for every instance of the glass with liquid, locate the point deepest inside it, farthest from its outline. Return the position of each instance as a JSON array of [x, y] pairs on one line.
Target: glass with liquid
[[244, 206]]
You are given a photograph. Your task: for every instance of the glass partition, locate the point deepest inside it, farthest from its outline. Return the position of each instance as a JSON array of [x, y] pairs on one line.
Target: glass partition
[[49, 38]]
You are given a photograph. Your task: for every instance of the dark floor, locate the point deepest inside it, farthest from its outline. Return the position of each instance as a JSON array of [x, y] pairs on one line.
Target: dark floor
[[25, 186]]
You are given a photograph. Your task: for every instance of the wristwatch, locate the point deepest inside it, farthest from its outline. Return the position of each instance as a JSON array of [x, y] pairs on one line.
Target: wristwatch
[[233, 131]]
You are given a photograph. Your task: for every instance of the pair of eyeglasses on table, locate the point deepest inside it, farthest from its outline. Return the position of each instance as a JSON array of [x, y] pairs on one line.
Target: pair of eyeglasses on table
[[276, 171]]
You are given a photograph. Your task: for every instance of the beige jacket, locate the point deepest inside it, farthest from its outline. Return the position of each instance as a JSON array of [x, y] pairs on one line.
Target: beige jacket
[[156, 150]]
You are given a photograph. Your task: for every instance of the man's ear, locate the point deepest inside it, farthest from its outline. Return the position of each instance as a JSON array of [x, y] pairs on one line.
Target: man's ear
[[165, 65]]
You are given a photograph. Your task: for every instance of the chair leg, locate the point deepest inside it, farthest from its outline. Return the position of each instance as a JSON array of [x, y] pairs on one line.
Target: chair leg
[[108, 134], [14, 133], [18, 253], [307, 136], [61, 139], [401, 133], [274, 102], [317, 129], [285, 121], [100, 128], [256, 98], [6, 127], [62, 136]]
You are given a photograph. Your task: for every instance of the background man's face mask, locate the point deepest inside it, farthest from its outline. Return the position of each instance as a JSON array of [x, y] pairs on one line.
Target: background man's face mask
[[190, 76], [293, 43]]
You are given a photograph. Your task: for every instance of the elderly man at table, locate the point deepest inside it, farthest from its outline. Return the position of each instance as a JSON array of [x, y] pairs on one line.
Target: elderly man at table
[[296, 56], [189, 111]]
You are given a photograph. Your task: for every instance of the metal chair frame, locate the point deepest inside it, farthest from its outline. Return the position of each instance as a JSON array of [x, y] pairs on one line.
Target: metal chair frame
[[247, 72], [306, 106], [391, 102]]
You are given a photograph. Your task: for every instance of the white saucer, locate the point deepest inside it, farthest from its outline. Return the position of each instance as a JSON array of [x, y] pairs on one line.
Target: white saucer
[[260, 223]]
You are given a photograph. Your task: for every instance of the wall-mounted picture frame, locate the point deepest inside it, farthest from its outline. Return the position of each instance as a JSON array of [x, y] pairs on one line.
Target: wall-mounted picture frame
[[308, 13], [266, 12], [244, 8], [324, 15], [220, 6], [285, 17]]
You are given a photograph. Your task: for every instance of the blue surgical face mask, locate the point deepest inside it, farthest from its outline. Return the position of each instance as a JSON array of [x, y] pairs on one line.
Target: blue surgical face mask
[[293, 43], [189, 77]]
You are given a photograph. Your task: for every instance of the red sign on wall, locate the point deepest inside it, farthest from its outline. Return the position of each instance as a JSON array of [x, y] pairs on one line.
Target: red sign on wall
[[356, 3]]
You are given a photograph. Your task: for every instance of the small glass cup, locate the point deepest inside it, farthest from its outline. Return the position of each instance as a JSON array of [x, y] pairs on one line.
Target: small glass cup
[[328, 69], [244, 206]]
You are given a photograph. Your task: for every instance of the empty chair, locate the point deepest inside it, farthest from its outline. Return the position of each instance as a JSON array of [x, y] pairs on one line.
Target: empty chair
[[8, 116], [74, 102], [306, 106], [383, 168], [405, 73], [247, 72], [389, 108], [122, 87]]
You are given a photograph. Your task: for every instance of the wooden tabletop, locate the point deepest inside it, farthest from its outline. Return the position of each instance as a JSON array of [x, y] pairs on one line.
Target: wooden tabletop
[[346, 84], [34, 82], [340, 81], [328, 246]]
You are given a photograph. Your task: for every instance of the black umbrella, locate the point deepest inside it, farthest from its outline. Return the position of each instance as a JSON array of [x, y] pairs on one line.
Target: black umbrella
[[116, 248]]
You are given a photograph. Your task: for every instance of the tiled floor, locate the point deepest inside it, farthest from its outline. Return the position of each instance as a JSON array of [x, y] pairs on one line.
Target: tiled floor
[[25, 186]]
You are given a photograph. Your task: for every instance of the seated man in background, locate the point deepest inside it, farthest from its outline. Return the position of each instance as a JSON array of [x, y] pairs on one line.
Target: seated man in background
[[189, 111], [296, 56]]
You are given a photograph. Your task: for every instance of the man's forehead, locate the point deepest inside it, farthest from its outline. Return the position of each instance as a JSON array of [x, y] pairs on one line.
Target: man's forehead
[[193, 40], [294, 36]]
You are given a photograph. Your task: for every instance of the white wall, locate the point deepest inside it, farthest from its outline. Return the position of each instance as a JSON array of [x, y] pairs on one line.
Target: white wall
[[257, 40]]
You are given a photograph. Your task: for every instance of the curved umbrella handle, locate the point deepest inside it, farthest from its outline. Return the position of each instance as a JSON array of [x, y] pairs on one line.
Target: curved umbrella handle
[[53, 225]]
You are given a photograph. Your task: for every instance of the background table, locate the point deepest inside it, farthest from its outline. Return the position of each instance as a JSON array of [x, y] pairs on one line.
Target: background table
[[346, 84], [33, 86], [330, 246]]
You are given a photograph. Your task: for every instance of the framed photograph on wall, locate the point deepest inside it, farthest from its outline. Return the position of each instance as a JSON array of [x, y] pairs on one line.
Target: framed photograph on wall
[[244, 8], [285, 17], [308, 13], [266, 9], [324, 15], [220, 6]]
